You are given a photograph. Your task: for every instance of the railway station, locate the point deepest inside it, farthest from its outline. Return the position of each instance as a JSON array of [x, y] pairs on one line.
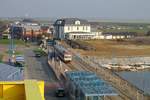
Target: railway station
[[83, 85]]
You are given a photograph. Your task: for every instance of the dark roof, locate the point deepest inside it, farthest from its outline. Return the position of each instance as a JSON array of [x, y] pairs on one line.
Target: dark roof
[[27, 20], [70, 21], [7, 72], [119, 33], [44, 27]]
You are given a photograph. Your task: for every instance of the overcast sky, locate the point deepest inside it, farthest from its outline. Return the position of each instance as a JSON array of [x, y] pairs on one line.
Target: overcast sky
[[113, 9]]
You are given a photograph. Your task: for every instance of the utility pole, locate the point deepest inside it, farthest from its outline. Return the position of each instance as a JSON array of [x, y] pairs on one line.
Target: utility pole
[[11, 46]]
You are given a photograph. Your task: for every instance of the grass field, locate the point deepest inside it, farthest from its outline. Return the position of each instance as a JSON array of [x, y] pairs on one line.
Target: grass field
[[7, 41], [111, 48], [16, 52]]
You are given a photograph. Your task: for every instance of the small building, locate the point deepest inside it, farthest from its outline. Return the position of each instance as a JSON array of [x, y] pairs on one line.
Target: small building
[[31, 28], [16, 31], [118, 35], [72, 28], [10, 73], [45, 29], [97, 35], [25, 28], [82, 85], [5, 36]]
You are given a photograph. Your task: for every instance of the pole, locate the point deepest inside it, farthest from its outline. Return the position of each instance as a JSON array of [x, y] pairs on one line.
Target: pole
[[11, 48]]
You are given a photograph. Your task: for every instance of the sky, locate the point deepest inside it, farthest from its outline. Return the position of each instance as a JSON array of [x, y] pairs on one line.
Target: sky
[[105, 9]]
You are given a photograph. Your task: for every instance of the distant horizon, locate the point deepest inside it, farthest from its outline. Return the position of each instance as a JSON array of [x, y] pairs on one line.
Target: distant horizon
[[87, 18], [101, 9]]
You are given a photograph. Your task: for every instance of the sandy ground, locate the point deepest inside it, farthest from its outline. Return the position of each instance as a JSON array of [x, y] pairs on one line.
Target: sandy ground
[[109, 48]]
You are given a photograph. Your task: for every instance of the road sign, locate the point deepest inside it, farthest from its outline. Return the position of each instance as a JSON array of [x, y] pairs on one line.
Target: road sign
[[50, 42]]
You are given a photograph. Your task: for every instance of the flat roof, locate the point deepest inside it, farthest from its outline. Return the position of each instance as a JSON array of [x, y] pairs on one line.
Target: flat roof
[[7, 71], [90, 84]]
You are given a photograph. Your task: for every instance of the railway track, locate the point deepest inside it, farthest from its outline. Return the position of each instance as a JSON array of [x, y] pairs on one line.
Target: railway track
[[122, 95], [127, 92], [78, 65], [70, 65]]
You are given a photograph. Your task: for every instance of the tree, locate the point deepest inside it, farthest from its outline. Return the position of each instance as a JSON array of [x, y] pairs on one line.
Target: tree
[[148, 33]]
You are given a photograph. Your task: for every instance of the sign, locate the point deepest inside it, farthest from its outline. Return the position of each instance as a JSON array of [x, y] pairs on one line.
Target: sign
[[50, 42]]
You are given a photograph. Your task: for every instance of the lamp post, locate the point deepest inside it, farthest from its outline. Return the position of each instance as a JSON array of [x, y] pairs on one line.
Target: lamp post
[[11, 46]]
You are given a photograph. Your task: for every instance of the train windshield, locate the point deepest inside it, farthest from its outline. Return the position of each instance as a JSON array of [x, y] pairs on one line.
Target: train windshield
[[67, 55]]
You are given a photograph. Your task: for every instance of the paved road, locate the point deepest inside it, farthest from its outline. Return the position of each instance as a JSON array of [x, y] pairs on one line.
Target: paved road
[[37, 68]]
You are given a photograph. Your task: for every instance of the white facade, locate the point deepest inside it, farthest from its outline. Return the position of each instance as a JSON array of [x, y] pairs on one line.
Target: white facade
[[97, 35], [111, 37], [84, 36], [72, 28], [77, 28]]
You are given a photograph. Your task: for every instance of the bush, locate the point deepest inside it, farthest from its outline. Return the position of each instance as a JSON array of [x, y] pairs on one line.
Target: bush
[[1, 56]]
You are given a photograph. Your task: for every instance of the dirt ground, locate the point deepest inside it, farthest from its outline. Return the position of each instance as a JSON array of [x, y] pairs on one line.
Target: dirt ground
[[4, 51], [112, 48]]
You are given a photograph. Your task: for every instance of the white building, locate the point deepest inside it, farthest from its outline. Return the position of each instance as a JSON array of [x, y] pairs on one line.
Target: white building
[[97, 35], [118, 35], [72, 28]]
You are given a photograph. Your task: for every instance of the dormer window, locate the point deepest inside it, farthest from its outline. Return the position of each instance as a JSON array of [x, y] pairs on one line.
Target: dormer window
[[77, 22], [59, 22]]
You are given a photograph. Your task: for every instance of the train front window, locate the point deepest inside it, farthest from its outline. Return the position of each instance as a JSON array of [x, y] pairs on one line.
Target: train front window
[[67, 55]]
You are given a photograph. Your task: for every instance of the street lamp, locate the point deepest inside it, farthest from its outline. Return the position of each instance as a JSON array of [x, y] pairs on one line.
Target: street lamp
[[11, 46]]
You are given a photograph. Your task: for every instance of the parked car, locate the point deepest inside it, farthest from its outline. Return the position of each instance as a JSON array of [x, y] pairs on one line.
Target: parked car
[[17, 64], [37, 54], [60, 92]]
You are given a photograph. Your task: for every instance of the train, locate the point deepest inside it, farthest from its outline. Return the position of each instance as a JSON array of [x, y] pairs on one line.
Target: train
[[63, 53]]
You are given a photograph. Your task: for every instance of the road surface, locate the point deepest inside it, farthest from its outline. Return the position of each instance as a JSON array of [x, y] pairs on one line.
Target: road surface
[[38, 68]]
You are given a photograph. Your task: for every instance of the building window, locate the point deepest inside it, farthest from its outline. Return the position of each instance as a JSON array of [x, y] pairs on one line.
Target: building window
[[71, 28], [77, 28], [68, 28], [77, 22], [83, 27], [86, 28]]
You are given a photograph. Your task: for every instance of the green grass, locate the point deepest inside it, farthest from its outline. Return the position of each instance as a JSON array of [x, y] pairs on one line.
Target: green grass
[[39, 50], [7, 41], [1, 56], [16, 52]]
